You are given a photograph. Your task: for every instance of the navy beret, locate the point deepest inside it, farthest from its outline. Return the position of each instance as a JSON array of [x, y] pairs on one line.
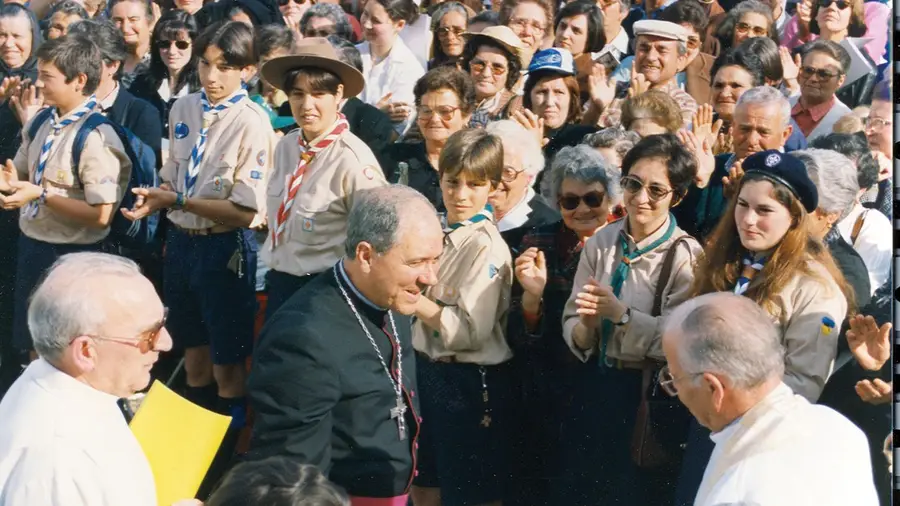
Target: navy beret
[[787, 170]]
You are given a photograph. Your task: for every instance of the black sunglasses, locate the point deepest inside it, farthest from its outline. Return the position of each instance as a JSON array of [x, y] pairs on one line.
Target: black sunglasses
[[282, 3], [570, 202], [180, 44], [822, 74], [841, 4]]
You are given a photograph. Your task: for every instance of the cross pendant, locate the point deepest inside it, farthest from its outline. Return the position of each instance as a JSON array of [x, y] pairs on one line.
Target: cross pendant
[[398, 412]]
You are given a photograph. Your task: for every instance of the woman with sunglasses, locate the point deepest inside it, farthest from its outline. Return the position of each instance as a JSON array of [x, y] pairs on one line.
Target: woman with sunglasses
[[762, 249], [493, 57], [583, 186], [448, 24], [444, 99], [751, 18], [836, 20], [172, 72], [620, 296], [292, 12]]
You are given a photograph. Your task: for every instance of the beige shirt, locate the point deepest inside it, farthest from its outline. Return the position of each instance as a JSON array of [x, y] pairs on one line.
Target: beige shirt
[[103, 174], [810, 346], [313, 239], [236, 161], [641, 336], [474, 283]]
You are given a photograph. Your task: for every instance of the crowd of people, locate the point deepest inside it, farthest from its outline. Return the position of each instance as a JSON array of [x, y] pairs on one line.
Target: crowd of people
[[450, 253]]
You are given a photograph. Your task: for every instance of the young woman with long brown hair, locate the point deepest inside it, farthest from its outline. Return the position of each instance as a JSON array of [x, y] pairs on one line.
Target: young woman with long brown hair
[[762, 249]]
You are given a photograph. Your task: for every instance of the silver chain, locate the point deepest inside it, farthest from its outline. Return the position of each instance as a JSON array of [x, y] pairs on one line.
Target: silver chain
[[397, 385]]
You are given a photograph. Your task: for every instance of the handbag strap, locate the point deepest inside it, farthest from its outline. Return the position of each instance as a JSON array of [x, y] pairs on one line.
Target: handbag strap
[[857, 226], [665, 274]]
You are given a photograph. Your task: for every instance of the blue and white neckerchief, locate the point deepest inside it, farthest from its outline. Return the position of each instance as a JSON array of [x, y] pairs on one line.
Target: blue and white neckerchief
[[751, 267], [56, 127], [210, 115], [485, 214]]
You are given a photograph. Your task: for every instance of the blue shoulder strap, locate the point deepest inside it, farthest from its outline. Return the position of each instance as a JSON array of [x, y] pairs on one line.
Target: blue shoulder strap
[[39, 119], [90, 124]]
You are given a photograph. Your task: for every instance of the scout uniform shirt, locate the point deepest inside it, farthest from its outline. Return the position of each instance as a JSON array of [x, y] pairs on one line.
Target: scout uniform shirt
[[641, 336], [474, 283], [314, 235], [103, 174], [808, 312], [235, 163]]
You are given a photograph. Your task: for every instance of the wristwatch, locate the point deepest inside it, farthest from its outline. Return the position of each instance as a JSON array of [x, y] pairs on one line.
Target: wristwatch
[[626, 317]]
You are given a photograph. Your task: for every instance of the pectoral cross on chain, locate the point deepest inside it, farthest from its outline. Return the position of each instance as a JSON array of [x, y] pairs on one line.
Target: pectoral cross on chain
[[398, 412]]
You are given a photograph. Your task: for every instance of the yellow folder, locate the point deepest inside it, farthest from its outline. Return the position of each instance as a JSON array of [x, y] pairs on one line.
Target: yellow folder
[[180, 439]]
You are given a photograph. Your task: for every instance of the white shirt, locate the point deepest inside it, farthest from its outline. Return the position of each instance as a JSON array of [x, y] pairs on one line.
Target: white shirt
[[873, 242], [417, 36], [788, 452], [397, 73], [618, 47], [63, 443], [518, 215]]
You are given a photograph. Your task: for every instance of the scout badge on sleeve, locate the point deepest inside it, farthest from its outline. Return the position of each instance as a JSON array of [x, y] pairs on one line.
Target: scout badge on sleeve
[[827, 325]]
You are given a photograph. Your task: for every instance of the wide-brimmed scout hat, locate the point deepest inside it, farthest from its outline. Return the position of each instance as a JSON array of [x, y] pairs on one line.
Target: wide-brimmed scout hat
[[504, 36], [315, 52]]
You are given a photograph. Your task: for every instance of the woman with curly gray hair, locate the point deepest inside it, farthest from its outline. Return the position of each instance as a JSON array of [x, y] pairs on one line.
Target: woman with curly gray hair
[[581, 183]]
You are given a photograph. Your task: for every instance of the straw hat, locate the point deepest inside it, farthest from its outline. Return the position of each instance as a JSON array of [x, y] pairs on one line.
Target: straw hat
[[314, 52], [506, 38]]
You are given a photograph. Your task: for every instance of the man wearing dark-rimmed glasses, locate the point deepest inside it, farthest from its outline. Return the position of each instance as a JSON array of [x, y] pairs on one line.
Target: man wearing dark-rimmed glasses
[[725, 362], [98, 326], [823, 70]]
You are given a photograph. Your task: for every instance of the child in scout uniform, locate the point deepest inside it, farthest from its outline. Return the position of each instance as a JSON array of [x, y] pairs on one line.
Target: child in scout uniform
[[214, 187], [631, 275], [761, 249], [464, 378], [318, 168], [63, 209]]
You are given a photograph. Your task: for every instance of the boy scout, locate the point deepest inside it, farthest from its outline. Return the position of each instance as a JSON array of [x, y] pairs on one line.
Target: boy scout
[[464, 378], [318, 168], [214, 185], [62, 210]]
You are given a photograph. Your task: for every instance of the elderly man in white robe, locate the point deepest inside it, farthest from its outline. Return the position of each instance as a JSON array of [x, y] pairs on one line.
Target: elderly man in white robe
[[98, 327], [725, 363]]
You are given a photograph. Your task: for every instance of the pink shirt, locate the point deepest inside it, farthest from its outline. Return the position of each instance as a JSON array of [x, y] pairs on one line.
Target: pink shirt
[[876, 17]]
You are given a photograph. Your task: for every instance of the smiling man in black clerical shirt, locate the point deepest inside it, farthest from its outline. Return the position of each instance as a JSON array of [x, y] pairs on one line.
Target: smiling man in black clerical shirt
[[327, 387]]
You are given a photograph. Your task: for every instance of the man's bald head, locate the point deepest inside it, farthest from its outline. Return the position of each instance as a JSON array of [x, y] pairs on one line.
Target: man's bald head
[[728, 335]]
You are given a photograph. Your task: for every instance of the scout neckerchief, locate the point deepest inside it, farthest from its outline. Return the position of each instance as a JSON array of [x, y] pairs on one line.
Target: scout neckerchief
[[751, 267], [210, 115], [621, 274], [306, 156], [55, 127], [485, 214]]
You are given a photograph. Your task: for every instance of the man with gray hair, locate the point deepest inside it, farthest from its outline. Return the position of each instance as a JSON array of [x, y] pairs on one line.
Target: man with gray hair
[[333, 378], [98, 327], [725, 362], [762, 120]]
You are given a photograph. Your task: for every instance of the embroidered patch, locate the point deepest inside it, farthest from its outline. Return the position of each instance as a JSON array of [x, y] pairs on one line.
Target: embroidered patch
[[60, 176], [217, 183], [827, 325], [261, 158], [309, 224], [181, 130], [256, 174], [773, 160], [492, 271]]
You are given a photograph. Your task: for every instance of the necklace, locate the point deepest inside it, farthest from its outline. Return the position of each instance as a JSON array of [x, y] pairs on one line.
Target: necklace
[[399, 409]]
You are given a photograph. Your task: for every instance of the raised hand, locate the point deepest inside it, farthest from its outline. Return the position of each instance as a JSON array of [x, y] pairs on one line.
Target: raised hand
[[533, 123], [869, 344], [804, 16], [790, 64], [27, 103], [732, 181], [9, 86], [703, 126], [639, 83], [724, 142], [601, 87], [874, 391], [700, 147], [531, 271]]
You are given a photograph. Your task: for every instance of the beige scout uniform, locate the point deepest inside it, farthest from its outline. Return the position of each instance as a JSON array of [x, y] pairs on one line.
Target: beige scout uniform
[[810, 346], [641, 336], [474, 283], [235, 163], [103, 174], [313, 239]]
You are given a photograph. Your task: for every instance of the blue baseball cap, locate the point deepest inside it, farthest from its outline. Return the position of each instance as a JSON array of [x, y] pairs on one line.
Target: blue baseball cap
[[555, 60]]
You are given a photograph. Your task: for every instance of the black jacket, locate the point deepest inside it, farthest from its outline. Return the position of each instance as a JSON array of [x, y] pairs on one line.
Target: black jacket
[[422, 176], [542, 214], [141, 118], [320, 394]]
